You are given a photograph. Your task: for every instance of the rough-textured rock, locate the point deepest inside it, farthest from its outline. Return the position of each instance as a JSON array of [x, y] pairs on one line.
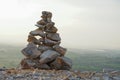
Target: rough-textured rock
[[28, 63], [41, 22], [50, 28], [49, 42], [53, 36], [46, 15], [62, 63], [48, 56], [41, 27], [60, 50], [49, 16], [31, 51], [43, 48], [37, 32], [33, 40], [25, 64]]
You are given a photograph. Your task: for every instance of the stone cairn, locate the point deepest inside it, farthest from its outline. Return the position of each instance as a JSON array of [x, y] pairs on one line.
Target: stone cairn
[[45, 52]]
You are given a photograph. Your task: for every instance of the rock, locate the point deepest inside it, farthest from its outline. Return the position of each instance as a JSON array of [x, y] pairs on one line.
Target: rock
[[31, 51], [33, 40], [115, 72], [53, 36], [95, 78], [43, 48], [24, 64], [28, 63], [50, 28], [46, 15], [107, 70], [60, 50], [48, 56], [38, 32], [116, 78], [49, 42], [67, 63], [41, 22], [41, 27], [106, 77], [63, 63], [41, 39], [3, 69], [49, 16]]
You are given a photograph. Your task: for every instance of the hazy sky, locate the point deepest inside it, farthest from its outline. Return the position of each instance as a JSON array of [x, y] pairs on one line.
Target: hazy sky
[[81, 23]]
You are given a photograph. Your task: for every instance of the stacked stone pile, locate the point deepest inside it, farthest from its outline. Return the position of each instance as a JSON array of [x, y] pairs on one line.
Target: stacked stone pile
[[43, 50]]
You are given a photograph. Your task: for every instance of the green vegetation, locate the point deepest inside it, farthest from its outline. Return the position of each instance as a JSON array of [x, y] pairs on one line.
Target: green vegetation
[[10, 56], [94, 62]]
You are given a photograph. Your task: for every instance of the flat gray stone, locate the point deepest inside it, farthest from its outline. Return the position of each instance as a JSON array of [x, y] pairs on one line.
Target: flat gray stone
[[49, 42], [31, 51], [38, 32], [48, 56], [41, 22], [53, 36], [43, 48]]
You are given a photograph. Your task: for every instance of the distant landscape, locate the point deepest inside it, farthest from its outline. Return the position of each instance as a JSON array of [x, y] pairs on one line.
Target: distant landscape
[[83, 59]]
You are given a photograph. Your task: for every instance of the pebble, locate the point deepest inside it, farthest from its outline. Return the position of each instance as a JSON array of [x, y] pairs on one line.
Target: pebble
[[57, 75]]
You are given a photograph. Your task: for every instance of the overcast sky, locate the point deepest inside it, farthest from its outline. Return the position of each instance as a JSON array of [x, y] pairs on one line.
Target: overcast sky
[[81, 23]]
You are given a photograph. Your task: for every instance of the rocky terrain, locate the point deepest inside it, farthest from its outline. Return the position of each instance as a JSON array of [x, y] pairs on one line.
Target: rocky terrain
[[35, 74]]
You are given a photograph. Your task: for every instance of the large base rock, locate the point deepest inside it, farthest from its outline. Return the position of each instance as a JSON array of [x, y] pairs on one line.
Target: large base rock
[[28, 63], [60, 50], [31, 51], [63, 63], [48, 56]]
